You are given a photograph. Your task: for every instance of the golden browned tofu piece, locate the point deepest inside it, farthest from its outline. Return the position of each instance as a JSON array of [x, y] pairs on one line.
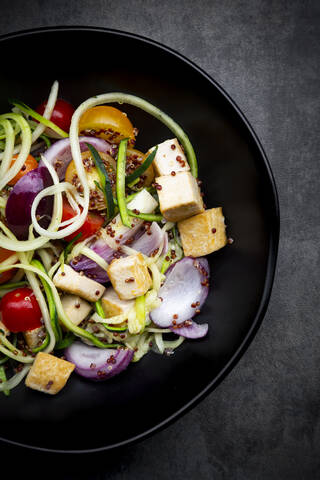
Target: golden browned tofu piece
[[113, 305], [179, 196], [129, 276], [49, 374], [204, 233], [34, 337]]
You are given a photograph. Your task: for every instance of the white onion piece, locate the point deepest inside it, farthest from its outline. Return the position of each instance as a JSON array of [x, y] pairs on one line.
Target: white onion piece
[[183, 292]]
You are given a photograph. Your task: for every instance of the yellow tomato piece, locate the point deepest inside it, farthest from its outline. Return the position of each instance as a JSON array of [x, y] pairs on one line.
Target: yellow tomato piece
[[108, 123], [97, 200]]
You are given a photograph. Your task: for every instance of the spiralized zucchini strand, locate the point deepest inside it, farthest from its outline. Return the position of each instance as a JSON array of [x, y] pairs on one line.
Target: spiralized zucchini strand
[[9, 146], [15, 380], [24, 151]]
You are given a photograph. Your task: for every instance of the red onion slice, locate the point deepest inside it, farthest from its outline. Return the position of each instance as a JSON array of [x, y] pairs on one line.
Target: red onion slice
[[96, 363], [146, 243], [59, 154], [183, 293], [190, 329], [18, 207], [150, 241], [90, 268]]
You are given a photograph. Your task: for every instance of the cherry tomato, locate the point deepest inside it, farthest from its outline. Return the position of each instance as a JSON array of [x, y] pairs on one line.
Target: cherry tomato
[[20, 310], [108, 123], [61, 115], [7, 275], [92, 224], [30, 164]]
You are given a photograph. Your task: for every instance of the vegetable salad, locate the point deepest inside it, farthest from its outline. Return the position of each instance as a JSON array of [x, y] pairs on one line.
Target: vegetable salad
[[102, 246]]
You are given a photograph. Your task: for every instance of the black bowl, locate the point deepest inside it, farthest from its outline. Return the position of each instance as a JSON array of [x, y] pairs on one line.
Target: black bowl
[[87, 416]]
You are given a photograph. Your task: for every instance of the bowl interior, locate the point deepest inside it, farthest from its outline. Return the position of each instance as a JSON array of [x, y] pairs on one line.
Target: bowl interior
[[235, 175]]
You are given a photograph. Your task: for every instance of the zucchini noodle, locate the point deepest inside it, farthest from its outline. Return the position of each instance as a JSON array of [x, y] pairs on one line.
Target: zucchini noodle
[[9, 145], [7, 348], [88, 252], [15, 380], [46, 114], [9, 173], [42, 304]]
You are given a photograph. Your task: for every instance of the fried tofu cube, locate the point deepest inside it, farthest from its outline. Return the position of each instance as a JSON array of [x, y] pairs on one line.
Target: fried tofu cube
[[169, 158], [204, 233], [129, 276], [179, 196], [71, 281], [49, 374], [33, 338], [75, 308], [112, 305]]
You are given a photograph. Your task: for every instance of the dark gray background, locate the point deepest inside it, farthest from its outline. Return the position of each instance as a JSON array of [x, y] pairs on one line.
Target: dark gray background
[[263, 421]]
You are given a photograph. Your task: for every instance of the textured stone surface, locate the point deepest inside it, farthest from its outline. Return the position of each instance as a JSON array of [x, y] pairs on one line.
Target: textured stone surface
[[263, 420]]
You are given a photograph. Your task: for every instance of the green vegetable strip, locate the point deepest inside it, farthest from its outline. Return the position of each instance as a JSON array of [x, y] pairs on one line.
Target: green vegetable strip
[[99, 309], [9, 146], [115, 329], [7, 286], [104, 179], [166, 263], [69, 247], [121, 183], [3, 378], [65, 342], [142, 168], [140, 305], [24, 108], [52, 308], [100, 312], [43, 345], [46, 140], [149, 217]]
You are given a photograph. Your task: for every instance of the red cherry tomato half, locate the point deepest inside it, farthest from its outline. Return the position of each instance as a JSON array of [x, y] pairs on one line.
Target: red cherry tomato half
[[61, 115], [92, 223], [20, 310]]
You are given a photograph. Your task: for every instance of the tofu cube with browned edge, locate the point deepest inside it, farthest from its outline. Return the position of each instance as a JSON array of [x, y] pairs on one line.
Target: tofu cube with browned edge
[[129, 276], [75, 308], [49, 374], [179, 196], [204, 233], [35, 337], [112, 305], [169, 158], [73, 282]]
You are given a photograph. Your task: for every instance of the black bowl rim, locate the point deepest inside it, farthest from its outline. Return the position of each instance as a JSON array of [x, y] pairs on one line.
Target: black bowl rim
[[273, 250]]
